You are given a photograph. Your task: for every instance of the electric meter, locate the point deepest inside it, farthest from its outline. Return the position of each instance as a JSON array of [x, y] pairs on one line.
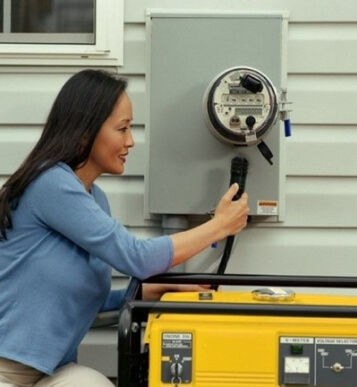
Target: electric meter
[[241, 105]]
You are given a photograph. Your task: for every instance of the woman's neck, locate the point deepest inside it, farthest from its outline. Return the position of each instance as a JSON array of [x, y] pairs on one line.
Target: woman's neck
[[87, 174]]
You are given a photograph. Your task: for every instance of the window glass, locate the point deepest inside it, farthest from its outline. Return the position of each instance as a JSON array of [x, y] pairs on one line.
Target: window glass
[[49, 21], [1, 15]]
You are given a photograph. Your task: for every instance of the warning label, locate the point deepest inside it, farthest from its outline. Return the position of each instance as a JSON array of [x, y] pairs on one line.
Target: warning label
[[267, 207]]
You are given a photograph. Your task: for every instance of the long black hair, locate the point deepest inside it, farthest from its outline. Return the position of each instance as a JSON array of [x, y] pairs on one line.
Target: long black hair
[[79, 110]]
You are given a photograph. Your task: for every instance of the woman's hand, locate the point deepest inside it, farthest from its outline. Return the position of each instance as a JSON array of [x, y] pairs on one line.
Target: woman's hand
[[153, 292], [231, 216]]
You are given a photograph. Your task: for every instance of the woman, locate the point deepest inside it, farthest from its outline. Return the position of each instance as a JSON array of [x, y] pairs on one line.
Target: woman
[[59, 243]]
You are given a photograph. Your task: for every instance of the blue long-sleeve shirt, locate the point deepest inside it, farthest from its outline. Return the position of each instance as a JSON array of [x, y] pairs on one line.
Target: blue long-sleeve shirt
[[55, 268]]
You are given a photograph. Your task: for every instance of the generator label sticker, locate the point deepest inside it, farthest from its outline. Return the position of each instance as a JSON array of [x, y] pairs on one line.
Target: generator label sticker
[[336, 341], [296, 340], [267, 207], [177, 340], [176, 358]]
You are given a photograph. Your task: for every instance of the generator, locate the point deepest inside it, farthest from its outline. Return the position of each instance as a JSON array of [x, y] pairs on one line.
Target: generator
[[267, 337]]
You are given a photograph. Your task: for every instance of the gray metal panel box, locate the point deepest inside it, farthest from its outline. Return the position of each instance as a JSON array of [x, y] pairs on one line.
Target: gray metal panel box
[[188, 168]]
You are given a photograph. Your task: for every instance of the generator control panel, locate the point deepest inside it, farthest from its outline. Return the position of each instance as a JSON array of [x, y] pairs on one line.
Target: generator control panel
[[318, 361], [176, 358]]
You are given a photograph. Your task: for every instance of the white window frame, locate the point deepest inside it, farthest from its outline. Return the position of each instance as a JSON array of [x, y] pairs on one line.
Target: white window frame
[[107, 51]]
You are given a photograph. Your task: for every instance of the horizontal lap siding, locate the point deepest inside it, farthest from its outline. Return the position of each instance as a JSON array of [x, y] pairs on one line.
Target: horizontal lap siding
[[319, 235]]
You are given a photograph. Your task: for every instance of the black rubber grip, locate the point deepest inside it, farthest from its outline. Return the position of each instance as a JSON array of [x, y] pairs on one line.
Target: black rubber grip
[[239, 169]]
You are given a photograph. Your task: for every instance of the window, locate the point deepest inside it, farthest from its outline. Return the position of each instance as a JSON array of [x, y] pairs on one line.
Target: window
[[72, 31]]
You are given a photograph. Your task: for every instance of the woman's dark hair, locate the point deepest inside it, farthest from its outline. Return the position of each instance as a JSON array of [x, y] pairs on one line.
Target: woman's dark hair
[[82, 105]]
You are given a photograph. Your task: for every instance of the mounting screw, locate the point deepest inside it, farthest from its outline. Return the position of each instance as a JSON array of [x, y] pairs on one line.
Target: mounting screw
[[135, 327]]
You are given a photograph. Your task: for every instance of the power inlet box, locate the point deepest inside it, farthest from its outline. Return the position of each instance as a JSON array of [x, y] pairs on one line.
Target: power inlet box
[[215, 86]]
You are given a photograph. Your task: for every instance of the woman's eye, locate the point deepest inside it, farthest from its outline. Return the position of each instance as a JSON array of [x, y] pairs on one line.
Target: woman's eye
[[123, 129]]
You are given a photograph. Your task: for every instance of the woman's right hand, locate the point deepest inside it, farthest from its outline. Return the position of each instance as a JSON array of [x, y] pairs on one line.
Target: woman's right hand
[[231, 216]]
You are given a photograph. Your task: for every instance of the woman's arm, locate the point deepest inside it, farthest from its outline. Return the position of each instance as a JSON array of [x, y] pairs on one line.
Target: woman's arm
[[230, 218], [60, 203]]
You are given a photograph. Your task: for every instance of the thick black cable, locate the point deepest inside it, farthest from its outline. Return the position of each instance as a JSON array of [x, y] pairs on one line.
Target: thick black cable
[[239, 170]]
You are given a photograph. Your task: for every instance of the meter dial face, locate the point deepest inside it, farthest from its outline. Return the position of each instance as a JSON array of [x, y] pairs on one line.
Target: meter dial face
[[241, 105], [297, 365]]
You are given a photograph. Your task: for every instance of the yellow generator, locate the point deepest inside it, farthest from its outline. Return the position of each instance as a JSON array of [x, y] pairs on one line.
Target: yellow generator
[[268, 337]]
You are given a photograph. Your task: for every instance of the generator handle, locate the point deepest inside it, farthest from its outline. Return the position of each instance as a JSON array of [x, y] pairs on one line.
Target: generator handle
[[133, 290], [253, 280]]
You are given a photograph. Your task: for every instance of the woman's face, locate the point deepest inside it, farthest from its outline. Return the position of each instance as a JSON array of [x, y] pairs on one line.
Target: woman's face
[[114, 139]]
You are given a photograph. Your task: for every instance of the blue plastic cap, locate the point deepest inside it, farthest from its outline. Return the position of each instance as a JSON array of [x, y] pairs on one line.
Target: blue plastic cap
[[287, 127]]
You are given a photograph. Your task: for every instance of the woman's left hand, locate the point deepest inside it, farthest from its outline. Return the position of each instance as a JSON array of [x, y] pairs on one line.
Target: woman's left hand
[[153, 292]]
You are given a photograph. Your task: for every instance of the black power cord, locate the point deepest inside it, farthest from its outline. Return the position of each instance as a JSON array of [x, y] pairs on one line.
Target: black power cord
[[239, 170]]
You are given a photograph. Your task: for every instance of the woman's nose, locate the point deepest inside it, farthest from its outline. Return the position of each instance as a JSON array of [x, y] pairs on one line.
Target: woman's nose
[[130, 140]]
